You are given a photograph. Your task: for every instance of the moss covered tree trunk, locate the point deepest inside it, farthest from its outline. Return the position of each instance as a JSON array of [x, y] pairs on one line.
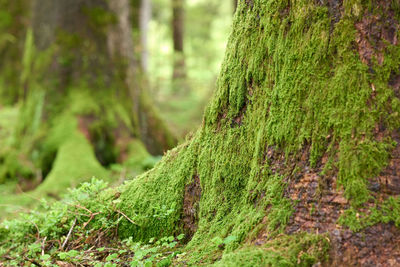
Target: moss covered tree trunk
[[298, 155], [235, 3], [14, 21], [94, 45], [82, 91]]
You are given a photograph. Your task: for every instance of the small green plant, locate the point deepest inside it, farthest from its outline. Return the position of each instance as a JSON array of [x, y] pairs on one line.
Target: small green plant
[[82, 229]]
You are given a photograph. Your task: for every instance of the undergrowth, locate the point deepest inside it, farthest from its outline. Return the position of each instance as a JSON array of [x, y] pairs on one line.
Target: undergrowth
[[81, 229]]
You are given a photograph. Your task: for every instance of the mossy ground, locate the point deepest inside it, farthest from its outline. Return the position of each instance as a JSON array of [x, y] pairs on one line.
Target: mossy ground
[[291, 78]]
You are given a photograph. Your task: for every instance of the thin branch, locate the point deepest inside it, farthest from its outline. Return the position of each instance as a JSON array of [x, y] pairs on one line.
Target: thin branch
[[82, 207], [90, 219], [43, 244], [69, 234], [123, 214], [38, 231]]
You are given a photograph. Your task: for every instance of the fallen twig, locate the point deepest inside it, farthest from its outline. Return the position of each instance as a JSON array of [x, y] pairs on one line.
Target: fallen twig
[[43, 244], [123, 214], [84, 208], [90, 219], [38, 231], [69, 234]]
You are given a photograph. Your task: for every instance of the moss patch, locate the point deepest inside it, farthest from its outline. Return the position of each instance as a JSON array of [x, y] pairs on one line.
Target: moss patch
[[297, 250], [74, 164]]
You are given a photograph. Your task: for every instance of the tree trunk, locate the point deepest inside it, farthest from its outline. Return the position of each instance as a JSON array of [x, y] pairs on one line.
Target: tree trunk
[[79, 68], [15, 19], [94, 44], [178, 22], [235, 4], [299, 149], [145, 18]]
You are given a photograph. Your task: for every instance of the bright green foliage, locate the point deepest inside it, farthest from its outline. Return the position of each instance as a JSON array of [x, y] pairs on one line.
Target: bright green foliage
[[59, 216]]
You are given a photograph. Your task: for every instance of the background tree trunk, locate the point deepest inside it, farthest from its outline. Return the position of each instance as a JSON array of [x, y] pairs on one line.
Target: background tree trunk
[[95, 39], [145, 18], [80, 70], [15, 21], [178, 22]]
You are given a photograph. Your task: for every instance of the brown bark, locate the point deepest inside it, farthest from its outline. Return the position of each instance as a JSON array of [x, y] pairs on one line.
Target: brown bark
[[319, 200], [177, 24]]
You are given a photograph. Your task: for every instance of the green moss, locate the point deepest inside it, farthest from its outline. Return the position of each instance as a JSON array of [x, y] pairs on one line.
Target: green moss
[[302, 83], [230, 205], [154, 199], [8, 201], [13, 161], [75, 163], [387, 212], [70, 157], [316, 87], [297, 250]]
